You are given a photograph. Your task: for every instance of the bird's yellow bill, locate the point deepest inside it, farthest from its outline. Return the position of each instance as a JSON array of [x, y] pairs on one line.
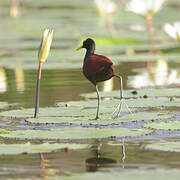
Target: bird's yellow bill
[[79, 48]]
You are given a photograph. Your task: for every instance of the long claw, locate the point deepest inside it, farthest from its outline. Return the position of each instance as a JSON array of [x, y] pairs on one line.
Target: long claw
[[127, 107], [118, 109]]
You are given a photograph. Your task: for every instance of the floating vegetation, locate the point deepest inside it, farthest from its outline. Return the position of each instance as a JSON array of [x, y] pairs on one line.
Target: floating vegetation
[[78, 133], [85, 110], [105, 119], [170, 125], [54, 112], [161, 92], [28, 148]]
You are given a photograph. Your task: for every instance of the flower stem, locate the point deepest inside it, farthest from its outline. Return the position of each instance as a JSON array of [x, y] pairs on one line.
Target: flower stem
[[150, 32], [110, 26], [37, 91]]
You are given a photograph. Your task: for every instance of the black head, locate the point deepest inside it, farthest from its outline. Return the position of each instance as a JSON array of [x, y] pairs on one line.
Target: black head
[[89, 45]]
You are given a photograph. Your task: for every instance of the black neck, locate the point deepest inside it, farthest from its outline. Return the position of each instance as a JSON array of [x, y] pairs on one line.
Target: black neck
[[89, 51]]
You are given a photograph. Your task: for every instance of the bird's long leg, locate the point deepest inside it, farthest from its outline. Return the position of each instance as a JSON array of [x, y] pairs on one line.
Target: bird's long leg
[[97, 113], [119, 107]]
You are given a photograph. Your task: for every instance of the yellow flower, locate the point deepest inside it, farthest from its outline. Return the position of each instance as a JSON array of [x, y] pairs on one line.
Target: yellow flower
[[45, 45]]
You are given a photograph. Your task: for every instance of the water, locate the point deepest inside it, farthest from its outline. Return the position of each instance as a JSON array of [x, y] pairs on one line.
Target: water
[[71, 20]]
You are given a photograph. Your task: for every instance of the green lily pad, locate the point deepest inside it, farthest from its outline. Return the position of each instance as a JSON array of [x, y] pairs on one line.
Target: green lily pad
[[104, 119], [171, 125], [153, 102], [85, 110], [145, 101], [164, 146], [54, 112], [12, 149], [107, 41], [75, 133], [164, 92]]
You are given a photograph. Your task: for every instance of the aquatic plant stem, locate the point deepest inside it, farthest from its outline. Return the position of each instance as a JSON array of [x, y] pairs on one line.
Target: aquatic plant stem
[[150, 32], [110, 26], [37, 91], [151, 38]]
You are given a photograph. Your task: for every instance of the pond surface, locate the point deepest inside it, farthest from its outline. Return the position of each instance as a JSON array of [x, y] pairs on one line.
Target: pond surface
[[63, 81]]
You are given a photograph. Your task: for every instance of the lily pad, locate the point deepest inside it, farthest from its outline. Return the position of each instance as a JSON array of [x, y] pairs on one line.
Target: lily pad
[[162, 92], [87, 109], [164, 146], [12, 149], [153, 102], [107, 41], [170, 125], [53, 112], [75, 133], [104, 119], [69, 109]]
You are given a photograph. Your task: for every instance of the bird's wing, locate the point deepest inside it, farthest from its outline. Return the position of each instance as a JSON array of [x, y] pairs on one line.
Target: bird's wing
[[96, 64]]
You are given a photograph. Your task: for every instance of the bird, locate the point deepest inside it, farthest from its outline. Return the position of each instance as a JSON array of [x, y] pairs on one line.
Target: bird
[[98, 68]]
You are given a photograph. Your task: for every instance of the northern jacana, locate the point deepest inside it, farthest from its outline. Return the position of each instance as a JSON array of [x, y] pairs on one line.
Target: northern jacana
[[99, 68]]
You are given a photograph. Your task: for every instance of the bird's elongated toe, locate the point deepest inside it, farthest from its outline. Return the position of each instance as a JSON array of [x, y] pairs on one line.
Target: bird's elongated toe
[[117, 112]]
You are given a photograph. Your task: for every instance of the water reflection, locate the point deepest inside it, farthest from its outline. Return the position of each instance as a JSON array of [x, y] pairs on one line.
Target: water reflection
[[123, 150], [3, 80], [14, 9], [19, 77], [18, 85], [43, 163], [105, 156], [97, 161], [158, 75], [123, 153], [108, 85], [46, 171]]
